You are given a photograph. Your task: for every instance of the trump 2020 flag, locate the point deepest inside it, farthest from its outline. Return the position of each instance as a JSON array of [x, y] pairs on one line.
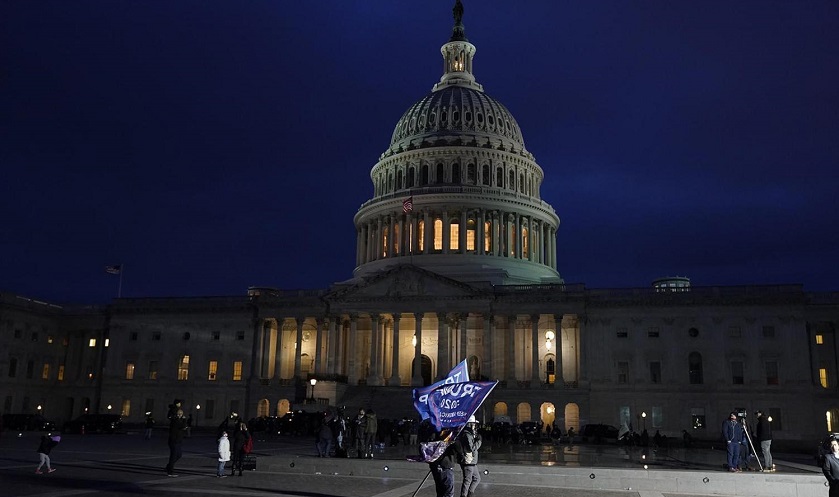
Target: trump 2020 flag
[[459, 374], [452, 404]]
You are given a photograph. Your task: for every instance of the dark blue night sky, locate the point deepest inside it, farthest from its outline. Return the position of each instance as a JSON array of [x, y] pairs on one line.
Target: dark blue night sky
[[211, 145]]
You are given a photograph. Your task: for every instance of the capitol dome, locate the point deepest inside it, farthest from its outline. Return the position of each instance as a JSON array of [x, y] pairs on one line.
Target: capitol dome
[[456, 192]]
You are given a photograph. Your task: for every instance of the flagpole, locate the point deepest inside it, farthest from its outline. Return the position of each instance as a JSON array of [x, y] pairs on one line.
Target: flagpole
[[421, 484]]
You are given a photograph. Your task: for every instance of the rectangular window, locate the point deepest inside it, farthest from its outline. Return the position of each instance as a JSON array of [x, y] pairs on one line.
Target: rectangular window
[[623, 372], [438, 234], [155, 336], [237, 371], [772, 373], [657, 417], [775, 418], [470, 236], [737, 375], [819, 339], [149, 406], [653, 332], [133, 336], [487, 237], [126, 407], [697, 418], [12, 367], [655, 372], [91, 342], [45, 372], [768, 332], [213, 370], [152, 370], [823, 377], [216, 336], [129, 371], [240, 335], [454, 236], [734, 331], [622, 333], [30, 369], [61, 372], [209, 408], [183, 368]]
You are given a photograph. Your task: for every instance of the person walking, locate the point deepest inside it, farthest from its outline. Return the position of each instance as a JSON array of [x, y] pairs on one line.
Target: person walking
[[148, 426], [240, 438], [44, 449], [764, 438], [324, 441], [831, 468], [371, 433], [177, 427], [360, 433], [732, 433], [469, 442], [223, 454], [442, 470]]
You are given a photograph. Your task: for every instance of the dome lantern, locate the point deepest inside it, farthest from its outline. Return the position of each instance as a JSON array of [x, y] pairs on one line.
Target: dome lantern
[[457, 56]]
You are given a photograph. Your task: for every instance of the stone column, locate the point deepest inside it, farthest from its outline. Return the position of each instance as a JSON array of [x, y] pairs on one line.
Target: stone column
[[373, 374], [584, 344], [494, 233], [429, 228], [535, 378], [461, 349], [264, 347], [352, 367], [278, 355], [443, 350], [489, 329], [414, 233], [340, 346], [320, 340], [461, 249], [446, 231], [558, 342], [298, 352], [416, 380], [511, 351], [377, 249], [480, 232], [395, 380], [331, 342]]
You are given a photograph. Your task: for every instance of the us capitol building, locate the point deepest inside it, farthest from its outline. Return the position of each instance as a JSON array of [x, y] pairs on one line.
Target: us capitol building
[[455, 259]]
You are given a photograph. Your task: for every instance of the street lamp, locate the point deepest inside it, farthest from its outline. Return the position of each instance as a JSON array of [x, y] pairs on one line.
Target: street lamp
[[644, 417], [313, 382], [197, 415]]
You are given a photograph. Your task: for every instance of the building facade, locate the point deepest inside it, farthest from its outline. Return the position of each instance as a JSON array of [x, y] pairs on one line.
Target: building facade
[[456, 260]]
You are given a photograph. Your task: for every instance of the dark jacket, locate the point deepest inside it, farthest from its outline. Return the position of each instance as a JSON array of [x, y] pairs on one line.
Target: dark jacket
[[764, 429], [468, 444], [448, 459], [732, 431], [239, 437], [47, 444], [176, 430]]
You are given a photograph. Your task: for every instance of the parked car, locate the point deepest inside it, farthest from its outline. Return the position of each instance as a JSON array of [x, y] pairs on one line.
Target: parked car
[[27, 422], [598, 433], [94, 423]]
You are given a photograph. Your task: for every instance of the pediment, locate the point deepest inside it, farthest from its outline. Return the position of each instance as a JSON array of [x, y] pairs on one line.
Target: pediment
[[404, 282]]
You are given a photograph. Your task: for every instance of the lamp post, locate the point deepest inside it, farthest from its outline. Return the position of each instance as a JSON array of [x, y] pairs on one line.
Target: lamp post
[[197, 415], [644, 417], [313, 382]]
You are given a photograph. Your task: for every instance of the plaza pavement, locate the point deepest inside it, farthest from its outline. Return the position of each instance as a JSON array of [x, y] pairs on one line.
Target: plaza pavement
[[126, 465]]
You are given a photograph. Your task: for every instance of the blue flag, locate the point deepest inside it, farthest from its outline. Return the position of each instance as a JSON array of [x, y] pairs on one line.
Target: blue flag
[[452, 404], [459, 374]]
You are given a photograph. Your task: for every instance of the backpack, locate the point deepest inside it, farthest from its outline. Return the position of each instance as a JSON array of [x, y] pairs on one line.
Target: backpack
[[248, 447]]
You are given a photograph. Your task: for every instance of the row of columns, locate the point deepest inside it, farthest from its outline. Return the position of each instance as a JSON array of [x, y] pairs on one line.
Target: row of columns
[[333, 342], [399, 235]]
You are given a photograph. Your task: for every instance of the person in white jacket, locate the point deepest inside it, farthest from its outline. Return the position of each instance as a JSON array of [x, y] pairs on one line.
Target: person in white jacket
[[223, 454]]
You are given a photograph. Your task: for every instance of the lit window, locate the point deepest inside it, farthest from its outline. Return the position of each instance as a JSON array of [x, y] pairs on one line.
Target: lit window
[[183, 368], [384, 241], [470, 235], [819, 339], [454, 235], [438, 234], [213, 370], [45, 373], [152, 370], [396, 239], [421, 235], [525, 244], [126, 407], [823, 377], [107, 342], [61, 372], [237, 371], [92, 342], [487, 236], [129, 371]]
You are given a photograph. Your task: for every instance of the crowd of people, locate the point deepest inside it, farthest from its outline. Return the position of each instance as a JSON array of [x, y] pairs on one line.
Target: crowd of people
[[741, 444]]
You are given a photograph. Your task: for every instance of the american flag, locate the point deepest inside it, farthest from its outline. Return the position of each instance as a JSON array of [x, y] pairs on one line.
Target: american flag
[[408, 205], [114, 269]]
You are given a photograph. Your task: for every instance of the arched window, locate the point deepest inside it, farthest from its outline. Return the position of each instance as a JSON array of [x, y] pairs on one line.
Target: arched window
[[500, 409], [512, 184], [424, 175], [263, 408], [572, 417], [421, 234], [438, 234], [471, 174], [487, 237], [486, 178], [456, 173], [440, 170], [385, 236], [399, 180], [499, 178], [525, 243], [695, 368], [283, 406], [550, 369], [410, 178], [389, 187], [521, 183], [523, 412], [471, 229]]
